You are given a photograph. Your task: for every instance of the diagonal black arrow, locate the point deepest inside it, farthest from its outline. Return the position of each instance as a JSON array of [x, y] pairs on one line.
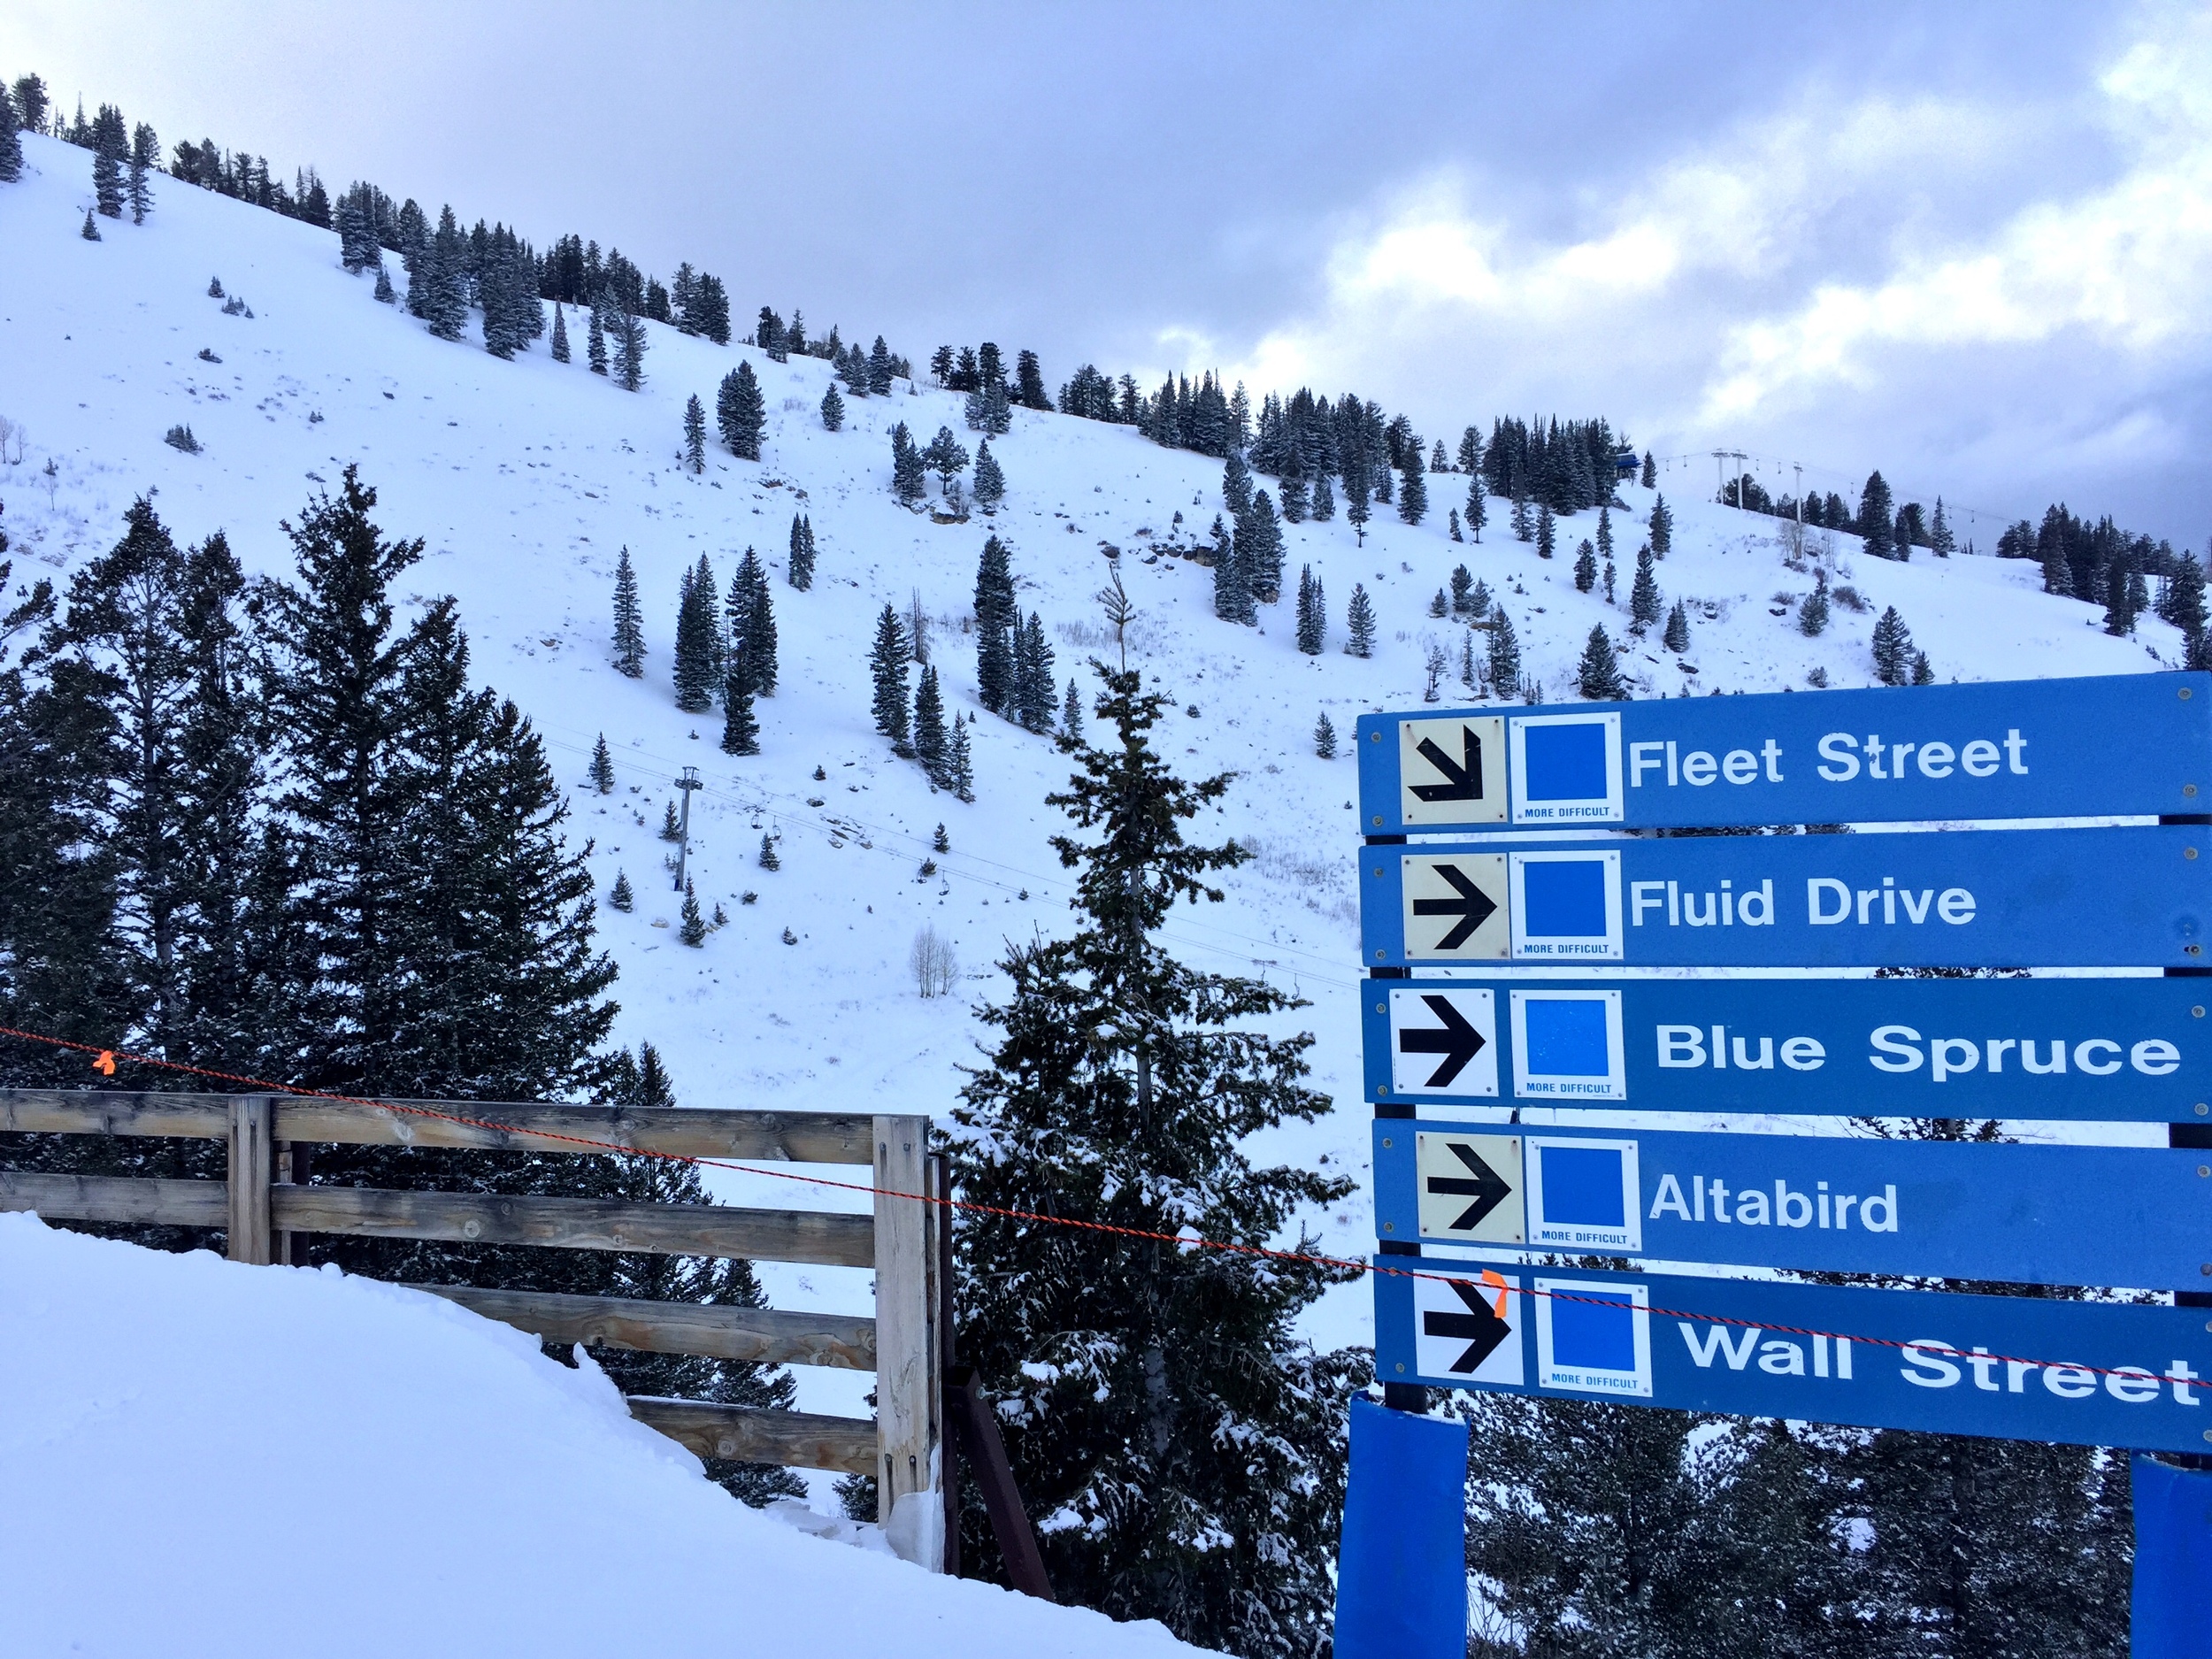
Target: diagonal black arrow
[[1462, 778], [1473, 907], [1458, 1042], [1481, 1183], [1483, 1329]]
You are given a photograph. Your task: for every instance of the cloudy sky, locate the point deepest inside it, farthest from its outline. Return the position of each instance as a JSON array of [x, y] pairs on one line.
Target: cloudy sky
[[1967, 245]]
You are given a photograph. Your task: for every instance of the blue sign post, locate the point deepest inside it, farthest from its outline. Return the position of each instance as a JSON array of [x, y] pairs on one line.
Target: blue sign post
[[2133, 744], [2137, 897], [2138, 1217], [2108, 1050], [2016, 1367]]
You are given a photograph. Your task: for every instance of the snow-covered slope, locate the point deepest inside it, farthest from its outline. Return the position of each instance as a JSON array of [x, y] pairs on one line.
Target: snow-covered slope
[[526, 478], [204, 1459]]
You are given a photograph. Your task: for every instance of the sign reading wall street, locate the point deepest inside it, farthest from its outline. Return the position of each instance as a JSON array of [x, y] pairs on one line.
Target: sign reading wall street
[[2139, 897], [2133, 744], [2082, 1373], [2108, 1050], [2135, 1217]]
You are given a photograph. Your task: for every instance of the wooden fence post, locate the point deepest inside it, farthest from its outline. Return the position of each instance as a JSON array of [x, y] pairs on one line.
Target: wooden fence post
[[909, 1415], [252, 1154]]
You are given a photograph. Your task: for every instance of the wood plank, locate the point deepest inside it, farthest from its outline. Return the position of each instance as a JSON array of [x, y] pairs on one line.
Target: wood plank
[[118, 1198], [762, 1336], [581, 1224], [910, 1503], [70, 1111], [252, 1171], [976, 1426], [753, 1434]]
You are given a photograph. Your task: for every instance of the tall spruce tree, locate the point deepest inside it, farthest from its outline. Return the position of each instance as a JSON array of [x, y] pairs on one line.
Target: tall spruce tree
[[930, 742], [1260, 549], [1893, 648], [1676, 638], [1644, 604], [1233, 579], [1478, 513], [741, 413], [800, 570], [1661, 526], [1155, 1397], [145, 160], [960, 762], [1546, 531], [1585, 567], [595, 342], [1598, 675], [1505, 658], [909, 473], [994, 618], [629, 620], [751, 642], [1324, 509], [1413, 495], [698, 665], [990, 479], [1812, 614], [1359, 623], [11, 140], [1313, 617], [694, 435], [887, 669], [1876, 522], [560, 334], [832, 409]]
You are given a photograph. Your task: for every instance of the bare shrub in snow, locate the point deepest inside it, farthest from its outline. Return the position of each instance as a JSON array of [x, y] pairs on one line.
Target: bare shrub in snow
[[933, 964]]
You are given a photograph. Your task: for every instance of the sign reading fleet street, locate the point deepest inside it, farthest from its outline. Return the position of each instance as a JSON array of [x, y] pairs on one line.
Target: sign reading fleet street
[[2094, 1050], [2139, 898], [2137, 1216], [2134, 744], [2023, 1368]]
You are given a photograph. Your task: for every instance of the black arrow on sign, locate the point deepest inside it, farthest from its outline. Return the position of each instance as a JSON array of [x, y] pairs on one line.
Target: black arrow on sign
[[1458, 1042], [1463, 780], [1473, 907], [1483, 1329], [1481, 1183]]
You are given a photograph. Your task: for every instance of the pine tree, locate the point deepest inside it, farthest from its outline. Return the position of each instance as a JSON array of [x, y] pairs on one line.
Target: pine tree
[[1156, 1396], [1033, 700], [437, 292], [995, 619], [1585, 567], [1523, 527], [1413, 498], [1650, 476], [741, 413], [1359, 624], [1232, 577], [990, 481], [1923, 670], [91, 231], [1940, 541], [692, 928], [1313, 617], [879, 375], [1462, 591], [11, 140], [669, 830], [1477, 506], [1605, 533], [107, 184], [1356, 490], [1812, 615], [1324, 737], [1608, 581], [145, 160], [768, 860], [694, 435], [1440, 607], [1661, 526], [1644, 604], [594, 341], [626, 332], [387, 295], [1676, 638], [1236, 485], [1505, 658], [629, 621], [887, 667], [560, 334], [1876, 523], [1467, 675], [1546, 531], [2183, 599], [1293, 494], [1893, 648], [930, 742], [601, 766], [1260, 549], [741, 726], [960, 763], [909, 481], [620, 895], [698, 665], [751, 621], [833, 410], [1323, 507], [800, 570], [1455, 533], [947, 457], [1072, 715], [2119, 603], [1598, 675]]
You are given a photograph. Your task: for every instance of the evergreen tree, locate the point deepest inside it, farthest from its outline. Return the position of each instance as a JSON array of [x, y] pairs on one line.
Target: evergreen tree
[[990, 482], [1524, 527], [1033, 700], [1456, 535], [1676, 638], [1585, 568], [800, 570], [1232, 577], [1072, 715], [1359, 624], [1324, 737], [740, 412], [629, 621], [1440, 607], [767, 859], [2121, 584], [601, 766], [1413, 497], [11, 140], [1661, 526], [107, 184], [1505, 658], [947, 457], [626, 332], [1236, 485], [1650, 475], [1605, 532], [995, 619], [145, 160], [91, 230], [930, 742], [960, 763], [694, 435], [621, 896], [1156, 1395], [698, 665], [437, 291], [1598, 676], [1260, 549], [1462, 591], [1644, 604], [1940, 541], [1029, 377], [1893, 648], [887, 666], [385, 293], [1355, 492], [1477, 507], [1923, 670], [1293, 493], [1313, 617], [595, 342], [751, 650], [669, 830], [908, 472], [741, 726], [833, 410], [692, 928], [560, 334], [1812, 615], [1608, 581], [2183, 600], [1324, 508], [880, 374], [1876, 528], [1546, 531]]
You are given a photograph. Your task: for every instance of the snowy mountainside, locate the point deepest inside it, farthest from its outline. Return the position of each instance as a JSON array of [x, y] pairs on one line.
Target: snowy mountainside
[[526, 478]]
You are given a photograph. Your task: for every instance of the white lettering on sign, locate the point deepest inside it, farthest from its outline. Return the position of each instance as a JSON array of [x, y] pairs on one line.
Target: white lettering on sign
[[1831, 903], [1708, 1200], [1667, 902], [1931, 1362], [1843, 757], [1900, 1049], [1735, 1347], [1682, 1048]]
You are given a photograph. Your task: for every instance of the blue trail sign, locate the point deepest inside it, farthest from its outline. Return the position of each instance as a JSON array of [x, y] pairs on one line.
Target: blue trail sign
[[2094, 1050], [2133, 744], [2137, 1216], [2139, 897], [2019, 1367]]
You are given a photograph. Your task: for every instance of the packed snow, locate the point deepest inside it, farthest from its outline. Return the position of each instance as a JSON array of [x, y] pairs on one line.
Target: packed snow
[[527, 477]]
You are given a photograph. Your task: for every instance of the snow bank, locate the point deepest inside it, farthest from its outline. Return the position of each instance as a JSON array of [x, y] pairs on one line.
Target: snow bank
[[202, 1458]]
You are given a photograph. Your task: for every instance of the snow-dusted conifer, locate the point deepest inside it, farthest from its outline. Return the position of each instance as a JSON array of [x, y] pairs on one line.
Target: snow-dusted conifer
[[1505, 658], [740, 411], [601, 766], [886, 668], [1598, 675], [1645, 604], [1359, 623], [1323, 500], [800, 569], [990, 480], [560, 334], [1585, 567], [1812, 614], [1546, 531], [1313, 616], [1676, 638], [694, 435], [629, 620], [1413, 497], [832, 409], [1324, 737], [930, 743]]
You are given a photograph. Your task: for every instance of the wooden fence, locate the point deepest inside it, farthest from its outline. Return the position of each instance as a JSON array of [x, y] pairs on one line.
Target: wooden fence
[[262, 1205]]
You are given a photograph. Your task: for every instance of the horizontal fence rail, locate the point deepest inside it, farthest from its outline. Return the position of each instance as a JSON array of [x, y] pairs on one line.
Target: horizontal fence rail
[[758, 1336], [756, 1434]]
